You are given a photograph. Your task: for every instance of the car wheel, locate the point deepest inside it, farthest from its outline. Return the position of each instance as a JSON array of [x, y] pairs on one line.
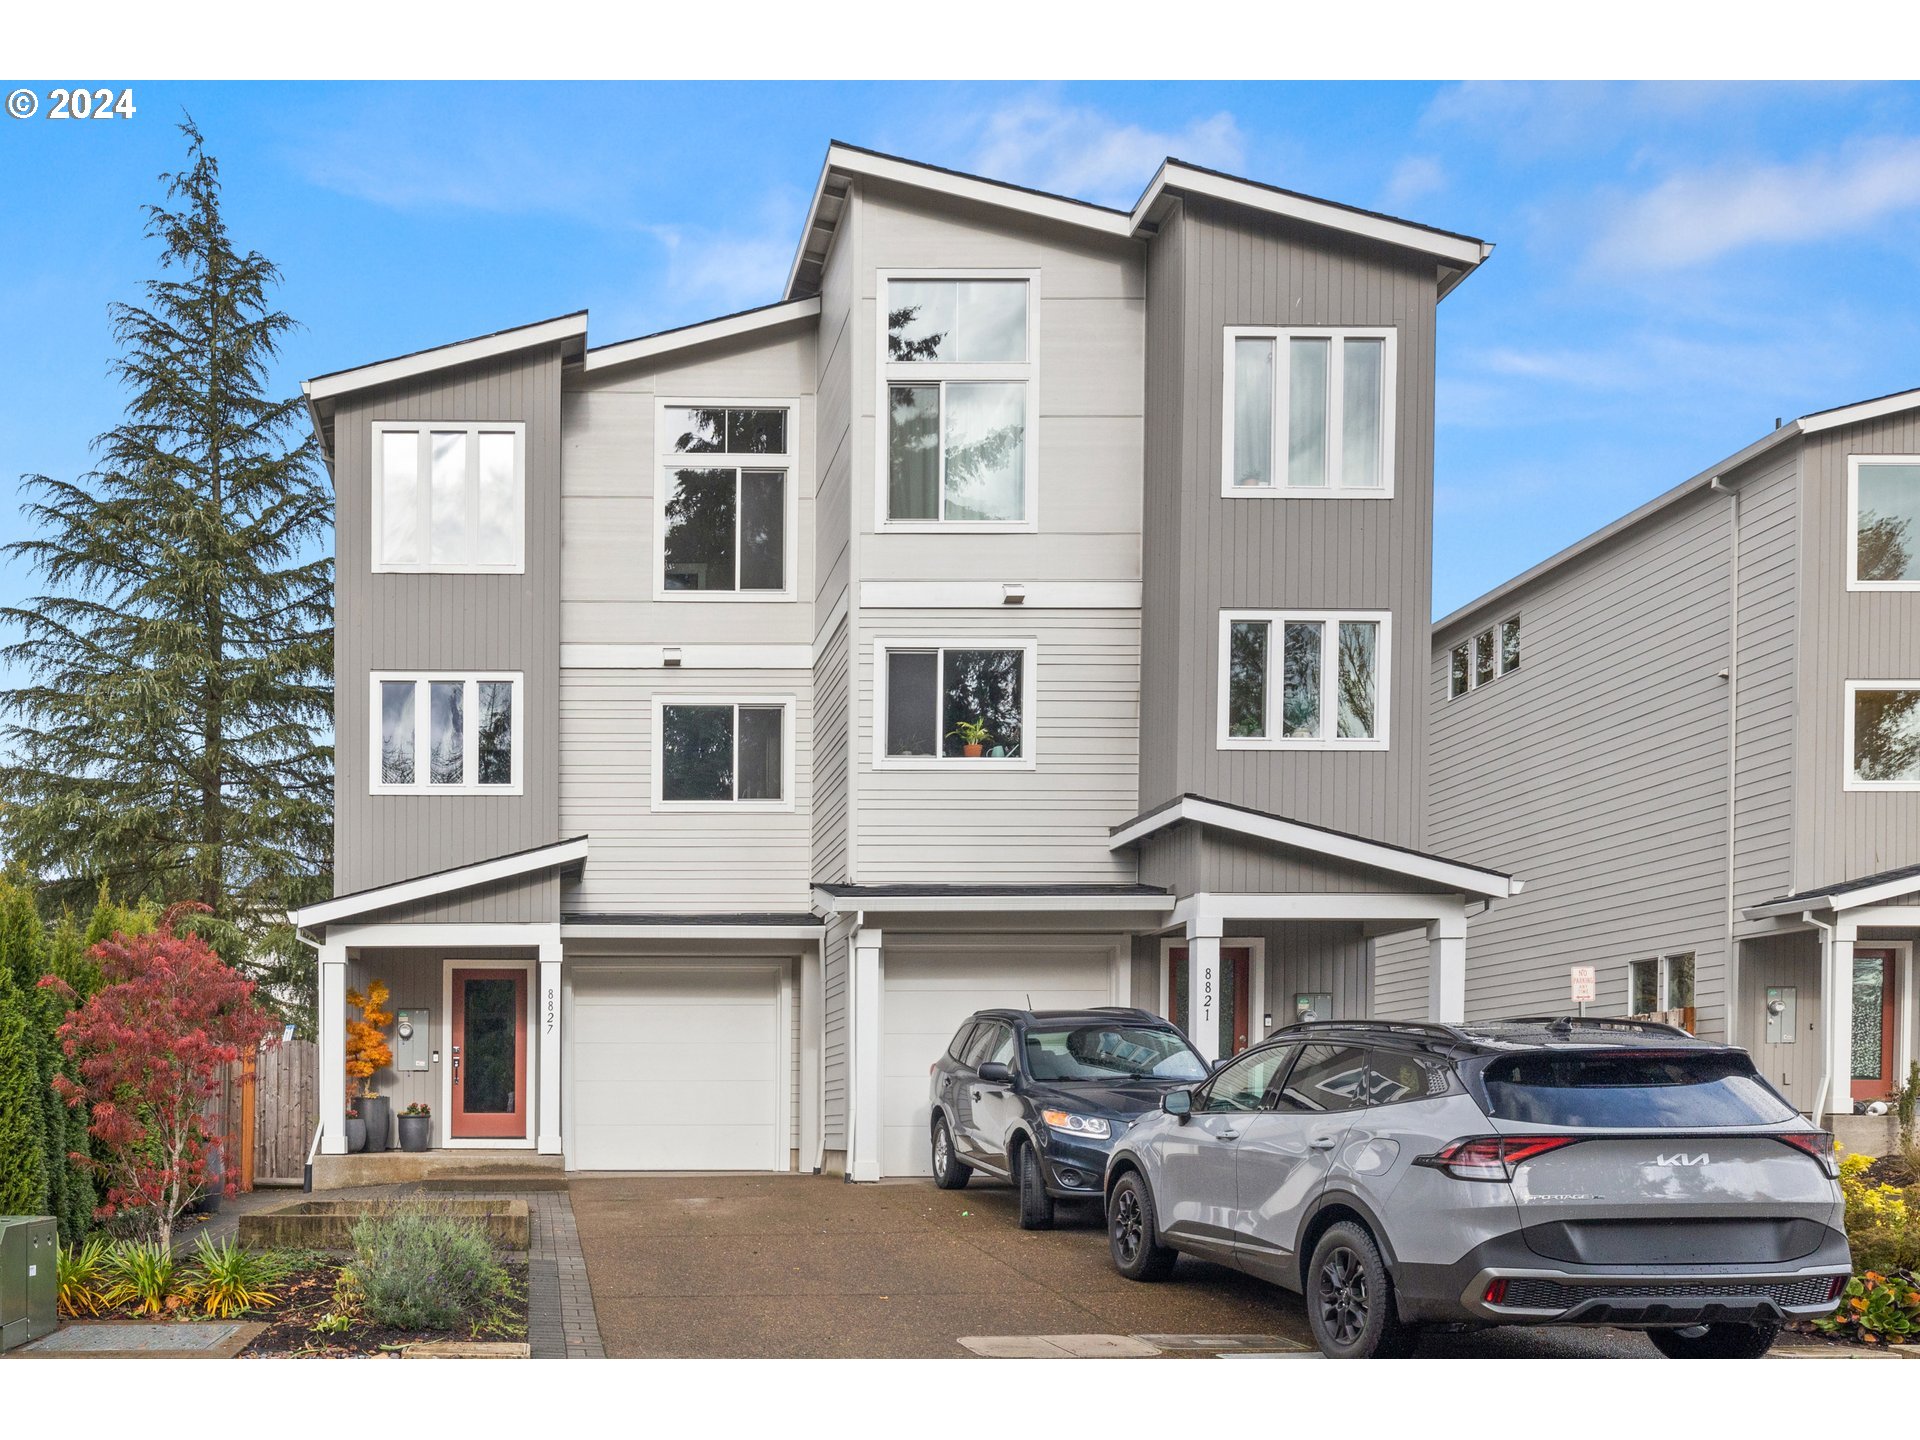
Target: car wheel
[[1727, 1341], [1350, 1302], [948, 1172], [1133, 1232], [1036, 1206]]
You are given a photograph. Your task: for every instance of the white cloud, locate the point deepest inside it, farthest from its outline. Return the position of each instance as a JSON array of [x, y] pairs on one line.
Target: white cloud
[[1077, 150], [1701, 215], [717, 272], [1414, 178]]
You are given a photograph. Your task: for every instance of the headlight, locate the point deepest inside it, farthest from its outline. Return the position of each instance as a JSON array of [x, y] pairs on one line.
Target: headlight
[[1090, 1126]]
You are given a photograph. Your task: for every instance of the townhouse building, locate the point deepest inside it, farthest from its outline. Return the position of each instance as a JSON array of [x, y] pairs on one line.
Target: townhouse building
[[1030, 607]]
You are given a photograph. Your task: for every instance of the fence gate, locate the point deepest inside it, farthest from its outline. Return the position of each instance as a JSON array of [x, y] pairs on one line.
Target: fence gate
[[286, 1108]]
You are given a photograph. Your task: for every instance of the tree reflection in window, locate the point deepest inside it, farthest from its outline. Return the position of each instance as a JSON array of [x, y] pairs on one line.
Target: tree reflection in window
[[1886, 735], [982, 686], [1247, 679], [1888, 497], [1359, 678], [697, 752], [1300, 700]]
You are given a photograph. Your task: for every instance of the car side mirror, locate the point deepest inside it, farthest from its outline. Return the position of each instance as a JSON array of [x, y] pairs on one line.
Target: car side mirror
[[1178, 1102], [994, 1073]]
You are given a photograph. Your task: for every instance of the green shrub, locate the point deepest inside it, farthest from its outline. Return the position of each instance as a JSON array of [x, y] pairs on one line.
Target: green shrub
[[415, 1268], [23, 1113], [225, 1280], [147, 1274], [87, 1283], [1876, 1309], [1885, 1248]]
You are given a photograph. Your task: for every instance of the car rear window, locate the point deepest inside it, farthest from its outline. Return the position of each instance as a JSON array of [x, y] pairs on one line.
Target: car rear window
[[1636, 1089]]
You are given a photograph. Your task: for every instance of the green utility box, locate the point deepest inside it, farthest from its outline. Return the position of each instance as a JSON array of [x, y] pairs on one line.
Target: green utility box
[[29, 1279]]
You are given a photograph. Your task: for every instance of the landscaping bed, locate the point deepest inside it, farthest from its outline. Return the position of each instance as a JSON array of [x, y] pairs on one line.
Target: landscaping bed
[[299, 1326]]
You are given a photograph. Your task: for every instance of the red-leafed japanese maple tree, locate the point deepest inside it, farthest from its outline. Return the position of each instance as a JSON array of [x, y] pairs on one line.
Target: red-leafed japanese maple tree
[[149, 1051]]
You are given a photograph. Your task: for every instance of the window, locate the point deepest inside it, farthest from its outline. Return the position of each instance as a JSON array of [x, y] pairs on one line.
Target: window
[[1883, 735], [722, 752], [1639, 1090], [1492, 653], [725, 509], [991, 1044], [1326, 1078], [1883, 505], [1397, 1075], [958, 1049], [1657, 986], [445, 734], [964, 702], [1309, 412], [1109, 1053], [1243, 1085], [1290, 681], [449, 497], [957, 388]]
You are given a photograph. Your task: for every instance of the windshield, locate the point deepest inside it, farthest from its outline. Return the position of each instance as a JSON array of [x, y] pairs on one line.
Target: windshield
[[1111, 1052], [1637, 1089]]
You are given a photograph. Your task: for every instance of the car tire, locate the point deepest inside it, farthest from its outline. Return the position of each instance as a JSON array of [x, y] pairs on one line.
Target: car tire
[[1036, 1206], [1133, 1234], [948, 1172], [1350, 1300], [1729, 1340]]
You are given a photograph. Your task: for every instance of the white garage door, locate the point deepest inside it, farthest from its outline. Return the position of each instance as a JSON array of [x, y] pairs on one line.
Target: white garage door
[[928, 994], [676, 1070]]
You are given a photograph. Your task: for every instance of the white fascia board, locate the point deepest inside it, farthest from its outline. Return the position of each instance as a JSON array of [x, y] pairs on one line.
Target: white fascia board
[[1351, 848], [647, 346], [1848, 900], [463, 352], [1364, 906], [406, 892], [992, 594], [979, 904], [570, 931], [585, 656], [1865, 410], [1456, 250]]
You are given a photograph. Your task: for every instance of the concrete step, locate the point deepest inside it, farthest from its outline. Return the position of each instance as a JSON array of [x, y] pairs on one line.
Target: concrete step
[[401, 1167], [497, 1180]]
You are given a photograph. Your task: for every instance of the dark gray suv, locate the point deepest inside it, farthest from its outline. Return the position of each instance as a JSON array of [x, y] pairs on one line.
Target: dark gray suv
[[1524, 1172]]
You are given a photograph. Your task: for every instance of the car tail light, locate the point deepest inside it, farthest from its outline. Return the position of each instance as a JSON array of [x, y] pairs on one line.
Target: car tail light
[[1492, 1157], [1496, 1292], [1817, 1143], [1836, 1287]]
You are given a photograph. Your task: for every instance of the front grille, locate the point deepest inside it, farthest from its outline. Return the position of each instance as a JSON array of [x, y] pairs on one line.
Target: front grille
[[1552, 1295]]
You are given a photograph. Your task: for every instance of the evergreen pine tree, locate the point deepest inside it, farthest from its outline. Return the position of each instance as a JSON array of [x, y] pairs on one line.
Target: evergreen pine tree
[[23, 1136], [170, 736]]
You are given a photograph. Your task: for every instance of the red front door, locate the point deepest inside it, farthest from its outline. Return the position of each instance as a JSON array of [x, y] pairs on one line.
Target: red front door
[[1236, 967], [489, 1055], [1873, 1077]]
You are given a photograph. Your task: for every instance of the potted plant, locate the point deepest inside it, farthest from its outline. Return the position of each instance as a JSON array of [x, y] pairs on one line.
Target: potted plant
[[356, 1132], [367, 1054], [972, 735], [416, 1126]]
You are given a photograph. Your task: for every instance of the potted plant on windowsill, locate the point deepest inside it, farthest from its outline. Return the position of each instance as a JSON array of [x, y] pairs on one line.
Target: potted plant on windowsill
[[367, 1054], [972, 735], [416, 1127]]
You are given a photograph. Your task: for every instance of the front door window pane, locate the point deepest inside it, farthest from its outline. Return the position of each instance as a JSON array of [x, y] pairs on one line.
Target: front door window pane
[[1359, 678], [493, 731], [913, 452], [1247, 679], [1869, 1021], [490, 1031], [396, 732], [1887, 531], [696, 752], [449, 503], [1300, 699], [761, 752], [1886, 735], [399, 497], [763, 530], [913, 712], [446, 731], [982, 686], [499, 540], [986, 452], [1307, 412], [1253, 412], [1360, 381], [700, 530], [990, 318]]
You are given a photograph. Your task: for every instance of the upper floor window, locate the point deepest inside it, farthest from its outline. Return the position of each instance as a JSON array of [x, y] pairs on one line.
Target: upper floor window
[[1309, 412], [722, 752], [449, 497], [966, 702], [725, 501], [1883, 507], [446, 734], [958, 401], [1486, 657], [1291, 681], [1883, 735]]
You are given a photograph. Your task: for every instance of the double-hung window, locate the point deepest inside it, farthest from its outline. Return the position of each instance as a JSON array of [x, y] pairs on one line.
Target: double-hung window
[[1657, 986], [725, 513], [717, 752], [1883, 735], [957, 400], [954, 702], [1309, 412], [1883, 531], [441, 734], [449, 497], [1492, 653], [1303, 680]]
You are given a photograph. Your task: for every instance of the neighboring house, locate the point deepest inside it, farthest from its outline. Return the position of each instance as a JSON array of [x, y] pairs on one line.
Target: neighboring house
[[1697, 732], [1030, 607]]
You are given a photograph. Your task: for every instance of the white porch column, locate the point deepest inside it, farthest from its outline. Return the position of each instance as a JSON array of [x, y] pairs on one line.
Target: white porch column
[[1203, 985], [549, 1011], [1447, 966], [333, 1047], [863, 1159], [813, 1026], [1837, 1063]]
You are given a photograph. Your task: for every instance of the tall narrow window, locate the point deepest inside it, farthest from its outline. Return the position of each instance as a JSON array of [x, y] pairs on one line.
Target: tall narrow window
[[1300, 695], [1253, 411], [1326, 686], [723, 526], [1483, 657], [1458, 672], [1510, 645], [720, 752], [1359, 678], [1884, 496], [1247, 682], [446, 733], [449, 497], [1309, 412], [961, 703]]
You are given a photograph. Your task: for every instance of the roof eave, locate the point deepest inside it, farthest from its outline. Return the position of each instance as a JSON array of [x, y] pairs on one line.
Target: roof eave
[[568, 331]]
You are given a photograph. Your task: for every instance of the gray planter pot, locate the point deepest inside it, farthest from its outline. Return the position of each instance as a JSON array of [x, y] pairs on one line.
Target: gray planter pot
[[356, 1134], [416, 1132], [377, 1111]]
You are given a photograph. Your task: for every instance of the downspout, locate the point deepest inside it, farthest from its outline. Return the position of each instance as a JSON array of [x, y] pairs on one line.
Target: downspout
[[1826, 1026], [853, 1048], [1733, 749]]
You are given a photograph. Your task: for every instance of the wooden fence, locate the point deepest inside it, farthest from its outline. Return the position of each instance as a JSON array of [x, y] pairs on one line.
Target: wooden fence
[[271, 1106]]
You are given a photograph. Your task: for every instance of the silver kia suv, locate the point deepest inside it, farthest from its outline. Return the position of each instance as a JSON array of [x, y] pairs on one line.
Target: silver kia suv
[[1518, 1172]]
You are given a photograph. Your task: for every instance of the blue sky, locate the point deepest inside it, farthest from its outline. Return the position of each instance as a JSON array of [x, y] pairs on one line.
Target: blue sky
[[1676, 264]]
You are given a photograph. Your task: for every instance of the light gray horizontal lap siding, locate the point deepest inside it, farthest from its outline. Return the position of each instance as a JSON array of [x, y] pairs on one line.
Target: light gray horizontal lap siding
[[1769, 682]]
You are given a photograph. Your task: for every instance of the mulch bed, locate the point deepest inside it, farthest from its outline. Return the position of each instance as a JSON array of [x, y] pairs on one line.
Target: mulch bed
[[307, 1296], [1890, 1170]]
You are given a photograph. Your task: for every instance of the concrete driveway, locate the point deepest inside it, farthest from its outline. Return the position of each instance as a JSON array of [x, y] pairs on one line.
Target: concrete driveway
[[773, 1265]]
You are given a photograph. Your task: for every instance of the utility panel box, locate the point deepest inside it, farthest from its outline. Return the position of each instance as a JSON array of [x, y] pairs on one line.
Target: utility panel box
[[29, 1279], [412, 1039]]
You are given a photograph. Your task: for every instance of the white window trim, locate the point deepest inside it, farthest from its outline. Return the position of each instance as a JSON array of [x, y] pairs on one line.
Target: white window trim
[[1336, 448], [425, 429], [1663, 978], [1329, 620], [657, 792], [1500, 667], [1027, 759], [422, 724], [668, 460], [1849, 780], [889, 373], [1854, 582]]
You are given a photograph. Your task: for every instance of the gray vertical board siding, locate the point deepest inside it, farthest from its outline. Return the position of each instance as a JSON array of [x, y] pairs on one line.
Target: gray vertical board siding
[[523, 899], [831, 756], [1846, 636], [676, 861], [449, 623], [1769, 680], [835, 981], [1188, 857], [1790, 959], [1206, 553], [1146, 972]]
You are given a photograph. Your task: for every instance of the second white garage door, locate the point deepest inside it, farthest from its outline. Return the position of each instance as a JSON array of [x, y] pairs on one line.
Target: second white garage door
[[928, 994], [676, 1070]]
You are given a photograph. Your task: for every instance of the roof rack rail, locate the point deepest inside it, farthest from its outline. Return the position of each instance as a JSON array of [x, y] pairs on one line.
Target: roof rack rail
[[1432, 1030], [1593, 1022]]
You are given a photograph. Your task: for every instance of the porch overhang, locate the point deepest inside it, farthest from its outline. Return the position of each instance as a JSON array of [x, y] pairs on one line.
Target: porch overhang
[[1146, 900], [1876, 891], [560, 855], [748, 925]]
